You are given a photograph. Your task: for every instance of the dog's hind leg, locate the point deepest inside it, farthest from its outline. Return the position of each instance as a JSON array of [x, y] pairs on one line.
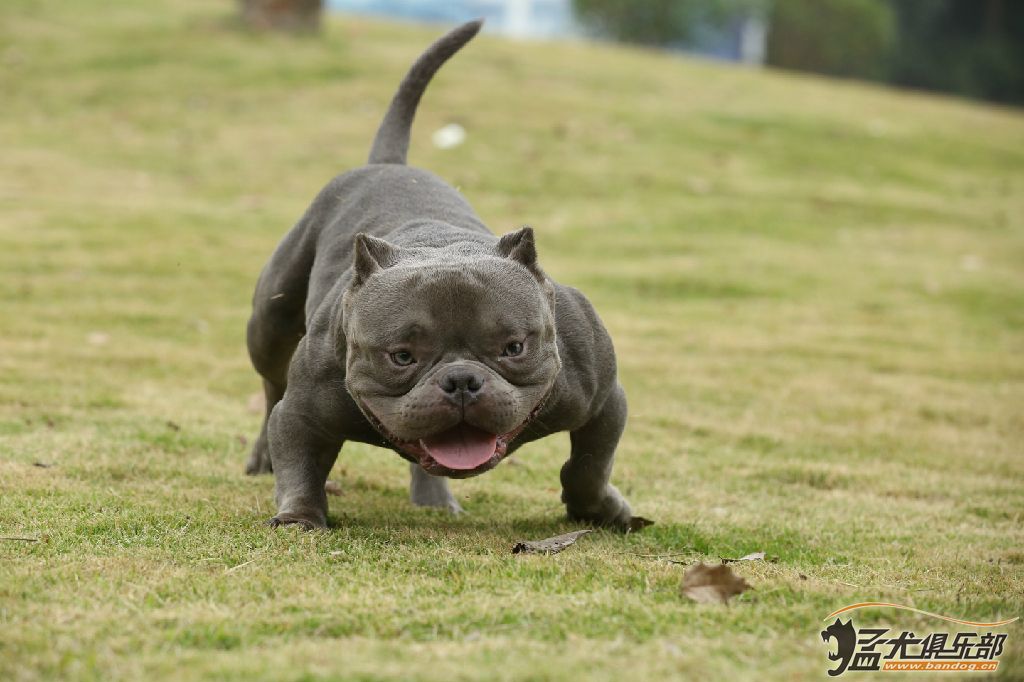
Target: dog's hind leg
[[272, 337], [277, 325], [259, 458], [431, 491]]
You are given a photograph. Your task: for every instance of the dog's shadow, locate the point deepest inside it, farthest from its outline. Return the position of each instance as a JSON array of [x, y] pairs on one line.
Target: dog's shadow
[[376, 511], [370, 507], [410, 521]]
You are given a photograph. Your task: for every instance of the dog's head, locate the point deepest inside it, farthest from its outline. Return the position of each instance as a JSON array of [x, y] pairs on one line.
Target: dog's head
[[449, 352]]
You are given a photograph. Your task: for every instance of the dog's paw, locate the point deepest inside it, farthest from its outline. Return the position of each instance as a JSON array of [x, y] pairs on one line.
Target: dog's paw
[[304, 521], [446, 502], [609, 510], [454, 508], [431, 492]]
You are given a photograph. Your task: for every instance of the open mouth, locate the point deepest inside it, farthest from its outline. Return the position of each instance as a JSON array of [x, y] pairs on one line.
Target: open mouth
[[461, 451], [461, 448]]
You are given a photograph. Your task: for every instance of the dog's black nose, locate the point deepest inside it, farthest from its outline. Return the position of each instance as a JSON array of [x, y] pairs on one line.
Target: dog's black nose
[[460, 382]]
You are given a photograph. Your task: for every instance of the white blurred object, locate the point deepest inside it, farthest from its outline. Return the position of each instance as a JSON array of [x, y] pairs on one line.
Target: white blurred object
[[451, 135], [517, 17]]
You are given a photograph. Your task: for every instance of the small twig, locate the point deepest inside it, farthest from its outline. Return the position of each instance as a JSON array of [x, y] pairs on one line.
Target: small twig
[[235, 568], [19, 538], [841, 582]]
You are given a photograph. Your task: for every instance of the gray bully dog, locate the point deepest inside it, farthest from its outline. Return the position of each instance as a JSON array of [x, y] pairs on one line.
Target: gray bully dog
[[390, 315]]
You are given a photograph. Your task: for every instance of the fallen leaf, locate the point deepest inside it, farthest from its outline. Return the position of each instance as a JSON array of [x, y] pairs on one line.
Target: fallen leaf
[[173, 426], [756, 556], [41, 465], [712, 584], [638, 523], [332, 488], [549, 545], [803, 577]]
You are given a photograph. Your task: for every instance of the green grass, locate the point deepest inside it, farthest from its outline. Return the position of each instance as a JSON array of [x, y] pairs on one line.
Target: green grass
[[816, 290]]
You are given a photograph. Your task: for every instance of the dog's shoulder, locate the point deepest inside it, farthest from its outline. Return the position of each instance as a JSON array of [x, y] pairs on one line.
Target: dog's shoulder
[[588, 372]]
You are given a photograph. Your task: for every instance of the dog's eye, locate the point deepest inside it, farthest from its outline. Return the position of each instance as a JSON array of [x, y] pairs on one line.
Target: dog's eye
[[402, 358], [513, 349]]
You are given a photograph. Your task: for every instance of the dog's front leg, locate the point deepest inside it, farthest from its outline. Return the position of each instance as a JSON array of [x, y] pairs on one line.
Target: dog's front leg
[[587, 494], [302, 456]]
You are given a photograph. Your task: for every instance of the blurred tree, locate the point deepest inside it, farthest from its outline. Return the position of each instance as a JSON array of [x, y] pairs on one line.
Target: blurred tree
[[836, 37], [970, 47], [284, 15], [658, 22]]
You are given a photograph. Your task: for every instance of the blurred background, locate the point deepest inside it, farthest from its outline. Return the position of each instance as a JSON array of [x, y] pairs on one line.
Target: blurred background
[[973, 48]]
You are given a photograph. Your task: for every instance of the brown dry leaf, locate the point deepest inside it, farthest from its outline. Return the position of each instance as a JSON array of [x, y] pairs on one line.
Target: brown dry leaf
[[712, 584], [549, 545], [332, 488]]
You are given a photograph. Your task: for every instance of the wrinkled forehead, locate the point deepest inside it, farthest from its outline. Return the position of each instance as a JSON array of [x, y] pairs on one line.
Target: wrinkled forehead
[[493, 296]]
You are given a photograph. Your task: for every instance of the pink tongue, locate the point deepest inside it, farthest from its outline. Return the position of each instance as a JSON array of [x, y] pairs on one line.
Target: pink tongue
[[461, 447]]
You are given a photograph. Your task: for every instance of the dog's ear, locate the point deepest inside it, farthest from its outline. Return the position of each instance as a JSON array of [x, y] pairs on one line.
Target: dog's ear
[[371, 255], [520, 247]]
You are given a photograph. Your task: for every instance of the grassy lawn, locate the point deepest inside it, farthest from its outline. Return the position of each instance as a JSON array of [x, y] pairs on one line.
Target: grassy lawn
[[816, 290]]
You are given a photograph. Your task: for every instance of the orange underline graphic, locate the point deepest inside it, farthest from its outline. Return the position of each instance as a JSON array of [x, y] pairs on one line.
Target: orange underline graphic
[[866, 604]]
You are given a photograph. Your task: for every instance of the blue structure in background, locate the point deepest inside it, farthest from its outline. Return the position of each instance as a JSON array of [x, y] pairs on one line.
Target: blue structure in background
[[742, 41], [519, 18]]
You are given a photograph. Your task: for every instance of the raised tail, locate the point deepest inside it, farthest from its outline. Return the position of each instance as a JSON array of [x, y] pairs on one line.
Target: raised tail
[[392, 142]]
